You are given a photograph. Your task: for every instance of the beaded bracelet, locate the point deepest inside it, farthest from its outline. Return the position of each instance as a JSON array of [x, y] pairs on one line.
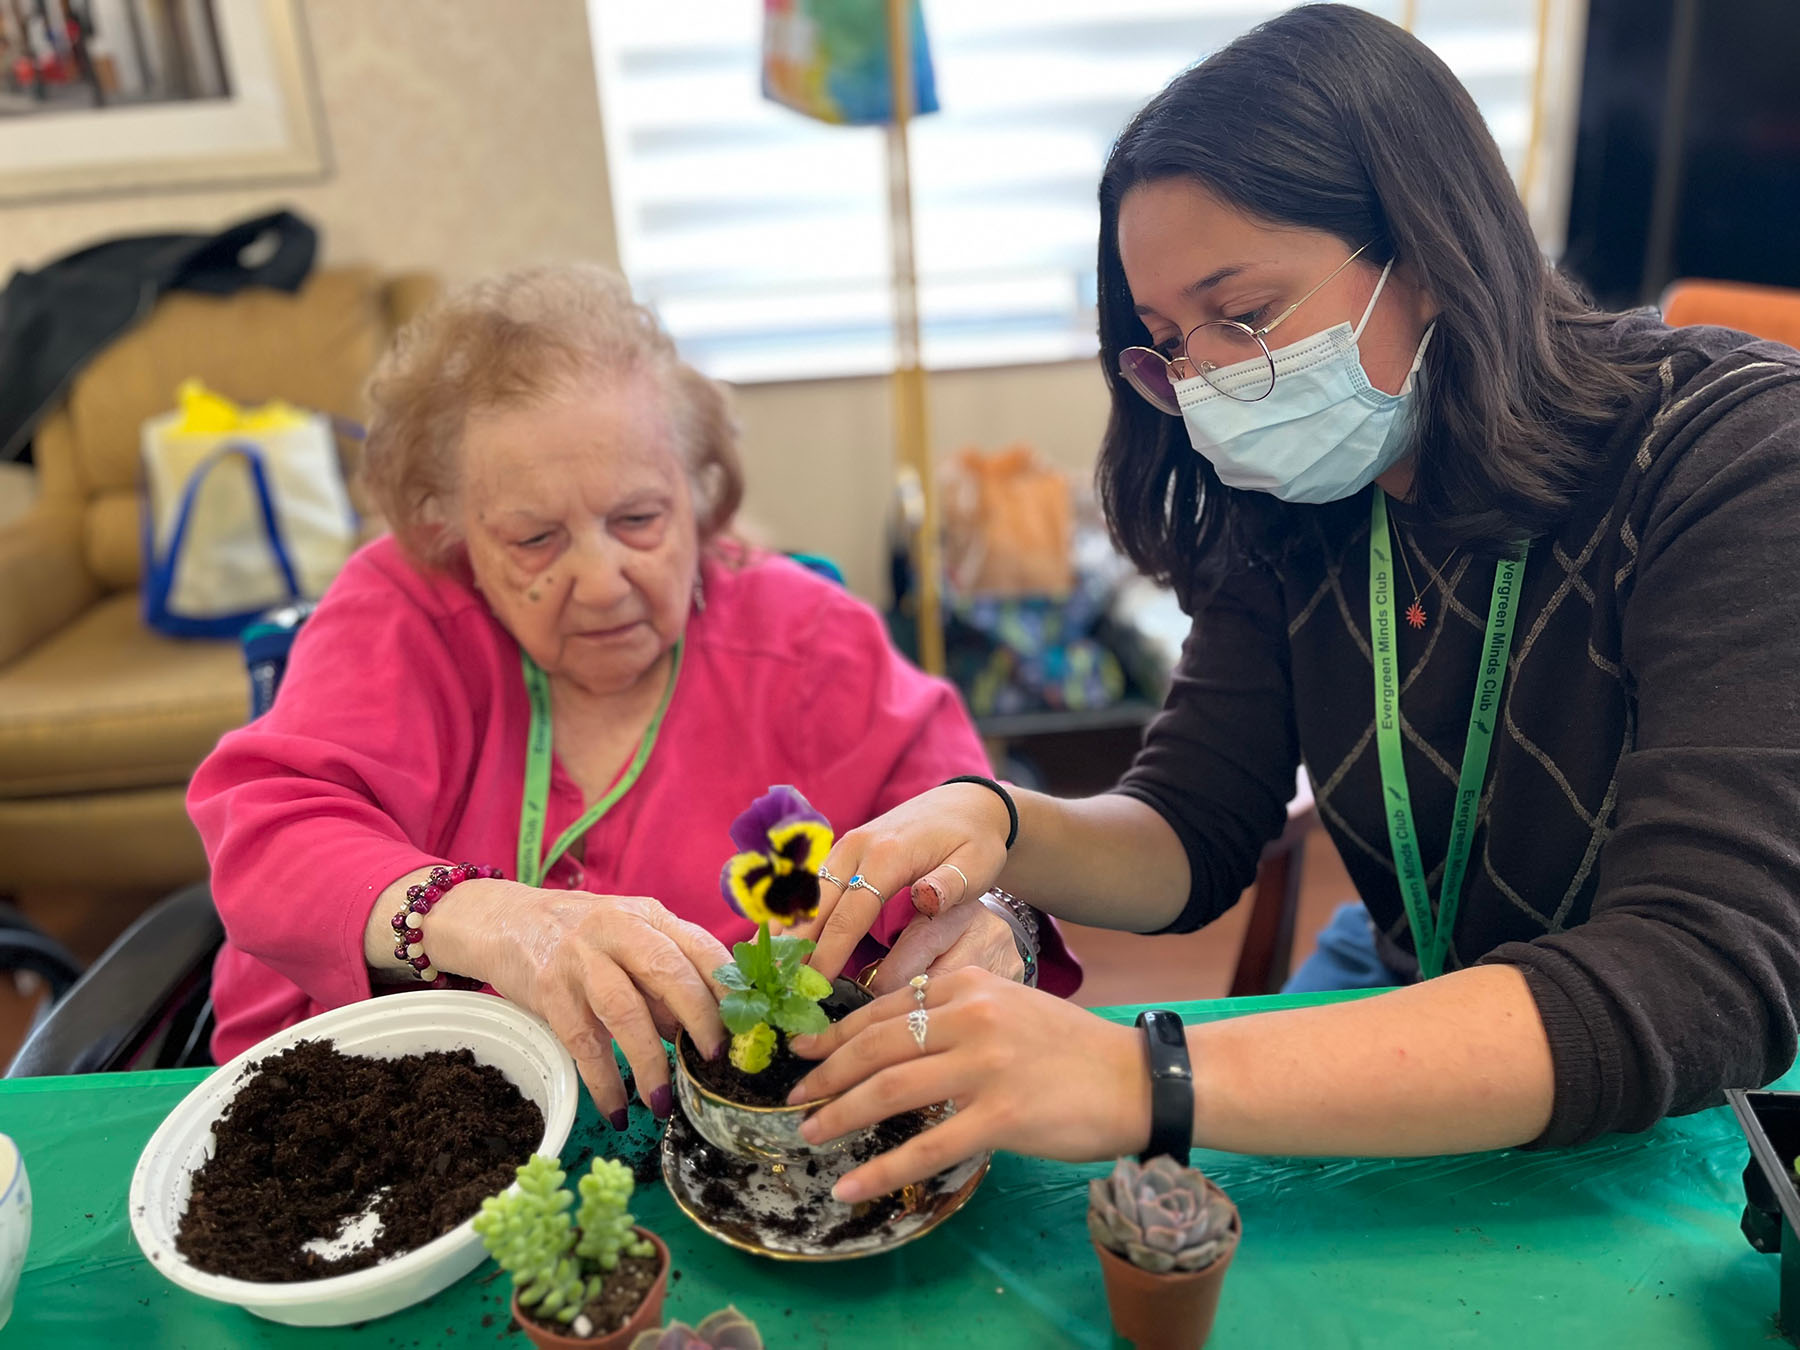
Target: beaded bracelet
[[409, 922]]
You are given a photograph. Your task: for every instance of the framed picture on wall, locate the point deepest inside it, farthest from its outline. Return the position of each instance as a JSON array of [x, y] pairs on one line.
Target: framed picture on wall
[[127, 95]]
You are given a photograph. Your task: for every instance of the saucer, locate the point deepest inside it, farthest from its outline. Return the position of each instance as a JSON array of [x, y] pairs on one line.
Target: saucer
[[785, 1210]]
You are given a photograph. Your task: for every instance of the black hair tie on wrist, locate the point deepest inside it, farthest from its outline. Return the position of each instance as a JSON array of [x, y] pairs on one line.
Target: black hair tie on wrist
[[1012, 810]]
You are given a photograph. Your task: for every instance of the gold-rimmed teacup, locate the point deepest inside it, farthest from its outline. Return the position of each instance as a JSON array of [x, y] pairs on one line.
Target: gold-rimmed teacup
[[759, 1133]]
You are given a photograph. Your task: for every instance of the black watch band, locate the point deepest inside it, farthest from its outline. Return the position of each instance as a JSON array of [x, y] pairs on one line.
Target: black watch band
[[1171, 1086]]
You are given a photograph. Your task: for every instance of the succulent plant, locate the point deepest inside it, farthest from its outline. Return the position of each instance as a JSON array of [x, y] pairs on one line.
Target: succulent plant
[[1160, 1216], [558, 1264], [727, 1329]]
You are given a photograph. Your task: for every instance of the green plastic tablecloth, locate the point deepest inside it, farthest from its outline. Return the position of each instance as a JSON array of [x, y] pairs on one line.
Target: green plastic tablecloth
[[1629, 1242]]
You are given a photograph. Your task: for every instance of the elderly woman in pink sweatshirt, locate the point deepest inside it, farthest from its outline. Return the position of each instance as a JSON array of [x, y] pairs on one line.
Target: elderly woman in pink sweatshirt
[[559, 681]]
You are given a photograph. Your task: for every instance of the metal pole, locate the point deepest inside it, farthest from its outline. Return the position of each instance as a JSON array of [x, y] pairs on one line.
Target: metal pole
[[912, 434]]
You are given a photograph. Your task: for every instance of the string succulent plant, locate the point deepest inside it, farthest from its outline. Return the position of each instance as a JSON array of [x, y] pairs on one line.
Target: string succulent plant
[[559, 1263], [1160, 1216], [727, 1329]]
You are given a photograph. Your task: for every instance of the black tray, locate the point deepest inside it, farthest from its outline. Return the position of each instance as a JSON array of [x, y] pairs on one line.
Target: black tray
[[1771, 1124]]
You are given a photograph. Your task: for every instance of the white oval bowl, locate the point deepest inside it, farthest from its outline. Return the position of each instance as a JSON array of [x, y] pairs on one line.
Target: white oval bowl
[[500, 1034]]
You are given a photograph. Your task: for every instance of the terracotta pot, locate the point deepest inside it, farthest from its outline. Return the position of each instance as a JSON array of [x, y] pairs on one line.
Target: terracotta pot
[[647, 1316], [1167, 1312]]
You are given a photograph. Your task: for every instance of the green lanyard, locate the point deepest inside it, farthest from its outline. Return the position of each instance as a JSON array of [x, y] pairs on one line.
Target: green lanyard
[[1431, 938], [537, 774]]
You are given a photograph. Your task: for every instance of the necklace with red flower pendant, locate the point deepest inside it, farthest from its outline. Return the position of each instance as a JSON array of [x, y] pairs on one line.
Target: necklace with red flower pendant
[[1415, 612]]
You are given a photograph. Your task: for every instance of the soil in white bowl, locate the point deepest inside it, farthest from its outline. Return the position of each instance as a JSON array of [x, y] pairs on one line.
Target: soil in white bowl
[[325, 1163]]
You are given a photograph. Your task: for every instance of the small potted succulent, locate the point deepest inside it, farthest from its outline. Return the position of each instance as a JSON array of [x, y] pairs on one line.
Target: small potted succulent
[[739, 1103], [727, 1329], [1165, 1235], [592, 1281]]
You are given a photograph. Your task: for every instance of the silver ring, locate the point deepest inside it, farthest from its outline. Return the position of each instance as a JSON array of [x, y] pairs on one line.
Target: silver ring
[[959, 872], [919, 983], [826, 876], [918, 1021], [856, 883]]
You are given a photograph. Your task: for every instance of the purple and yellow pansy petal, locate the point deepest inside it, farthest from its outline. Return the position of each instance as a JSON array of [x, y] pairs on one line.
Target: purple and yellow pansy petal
[[777, 806], [804, 844], [792, 896], [745, 882]]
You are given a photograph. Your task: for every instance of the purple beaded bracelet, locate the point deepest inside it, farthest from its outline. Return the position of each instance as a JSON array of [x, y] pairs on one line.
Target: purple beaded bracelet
[[409, 922]]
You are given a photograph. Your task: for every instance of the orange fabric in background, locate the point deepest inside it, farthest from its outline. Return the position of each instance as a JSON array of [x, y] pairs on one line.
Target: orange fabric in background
[[1763, 311], [1009, 524]]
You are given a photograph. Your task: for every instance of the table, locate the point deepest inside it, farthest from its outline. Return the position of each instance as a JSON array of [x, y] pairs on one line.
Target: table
[[1630, 1241]]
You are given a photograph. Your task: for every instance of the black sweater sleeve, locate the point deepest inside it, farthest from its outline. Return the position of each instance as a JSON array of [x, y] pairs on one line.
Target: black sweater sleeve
[[1686, 976], [1218, 762]]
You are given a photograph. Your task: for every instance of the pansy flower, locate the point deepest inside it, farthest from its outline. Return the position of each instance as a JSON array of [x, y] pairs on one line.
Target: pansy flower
[[782, 843]]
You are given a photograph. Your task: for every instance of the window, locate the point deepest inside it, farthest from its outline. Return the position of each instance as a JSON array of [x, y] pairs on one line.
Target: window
[[761, 237]]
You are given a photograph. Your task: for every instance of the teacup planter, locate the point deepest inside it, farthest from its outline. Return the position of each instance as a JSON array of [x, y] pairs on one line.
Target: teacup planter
[[739, 1102], [733, 1156], [748, 1115]]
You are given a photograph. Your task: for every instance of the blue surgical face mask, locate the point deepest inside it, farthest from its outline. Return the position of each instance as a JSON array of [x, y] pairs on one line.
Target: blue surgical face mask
[[1321, 434]]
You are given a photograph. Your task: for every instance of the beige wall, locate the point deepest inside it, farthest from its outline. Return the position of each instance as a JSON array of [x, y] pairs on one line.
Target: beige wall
[[466, 138], [818, 455], [463, 137]]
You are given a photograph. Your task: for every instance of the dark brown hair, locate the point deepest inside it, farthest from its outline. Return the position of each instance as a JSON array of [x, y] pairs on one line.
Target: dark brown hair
[[1329, 118], [515, 341]]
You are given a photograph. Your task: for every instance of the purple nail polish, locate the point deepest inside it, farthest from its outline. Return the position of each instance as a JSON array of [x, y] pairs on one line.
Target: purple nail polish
[[620, 1119], [719, 1050], [661, 1104]]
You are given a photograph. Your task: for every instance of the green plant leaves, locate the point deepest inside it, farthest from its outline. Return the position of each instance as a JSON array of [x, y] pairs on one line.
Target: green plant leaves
[[742, 1009], [809, 983], [798, 1015], [771, 985], [789, 953], [756, 962]]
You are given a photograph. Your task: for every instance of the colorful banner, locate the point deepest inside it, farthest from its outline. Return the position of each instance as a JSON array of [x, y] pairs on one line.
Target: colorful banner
[[828, 59]]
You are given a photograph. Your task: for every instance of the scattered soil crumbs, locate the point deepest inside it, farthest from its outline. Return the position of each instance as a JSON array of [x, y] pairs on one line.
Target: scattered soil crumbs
[[727, 1178], [318, 1137]]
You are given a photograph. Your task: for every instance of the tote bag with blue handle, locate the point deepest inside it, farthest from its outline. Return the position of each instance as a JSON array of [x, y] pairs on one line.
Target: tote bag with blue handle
[[235, 523]]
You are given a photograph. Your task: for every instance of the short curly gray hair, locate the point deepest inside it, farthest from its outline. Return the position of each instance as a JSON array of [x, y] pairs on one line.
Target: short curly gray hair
[[514, 341]]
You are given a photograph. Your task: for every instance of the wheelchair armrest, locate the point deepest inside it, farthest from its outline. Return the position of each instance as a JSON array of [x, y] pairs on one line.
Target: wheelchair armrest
[[127, 995]]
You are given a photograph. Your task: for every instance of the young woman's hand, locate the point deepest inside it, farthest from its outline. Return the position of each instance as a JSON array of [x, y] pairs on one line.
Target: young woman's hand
[[597, 968], [948, 844], [1028, 1072]]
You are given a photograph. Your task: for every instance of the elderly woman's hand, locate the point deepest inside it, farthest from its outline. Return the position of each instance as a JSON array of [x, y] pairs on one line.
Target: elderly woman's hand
[[1027, 1071], [597, 968], [955, 939]]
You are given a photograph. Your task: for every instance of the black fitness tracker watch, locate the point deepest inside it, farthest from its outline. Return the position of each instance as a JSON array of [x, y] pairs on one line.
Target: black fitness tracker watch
[[1171, 1086]]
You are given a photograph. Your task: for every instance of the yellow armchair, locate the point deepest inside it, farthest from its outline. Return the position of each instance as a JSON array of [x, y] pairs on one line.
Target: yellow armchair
[[103, 720]]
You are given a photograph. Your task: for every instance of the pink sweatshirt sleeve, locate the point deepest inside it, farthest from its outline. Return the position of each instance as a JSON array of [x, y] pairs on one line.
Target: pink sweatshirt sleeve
[[882, 732], [309, 812]]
